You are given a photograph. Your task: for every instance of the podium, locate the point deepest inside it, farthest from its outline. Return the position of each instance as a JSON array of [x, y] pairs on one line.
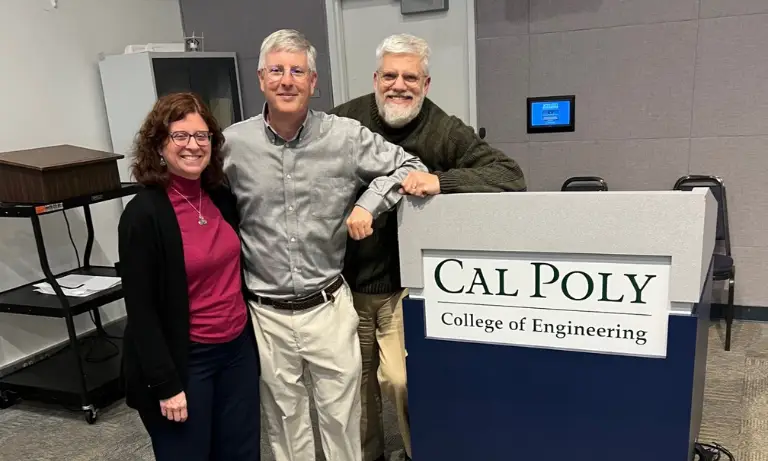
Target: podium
[[557, 325]]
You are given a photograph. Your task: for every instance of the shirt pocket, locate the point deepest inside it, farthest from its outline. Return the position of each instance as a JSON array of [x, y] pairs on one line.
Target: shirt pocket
[[330, 197]]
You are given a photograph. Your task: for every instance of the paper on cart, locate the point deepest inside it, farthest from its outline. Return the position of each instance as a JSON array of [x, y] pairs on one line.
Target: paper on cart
[[78, 285]]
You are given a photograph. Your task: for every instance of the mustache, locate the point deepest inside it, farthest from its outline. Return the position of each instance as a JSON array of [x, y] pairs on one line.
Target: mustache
[[400, 93]]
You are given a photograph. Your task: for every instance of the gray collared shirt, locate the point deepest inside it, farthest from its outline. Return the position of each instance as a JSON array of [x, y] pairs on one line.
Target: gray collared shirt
[[294, 196]]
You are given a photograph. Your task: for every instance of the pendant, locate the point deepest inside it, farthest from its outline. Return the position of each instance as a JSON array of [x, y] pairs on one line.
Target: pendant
[[201, 220]]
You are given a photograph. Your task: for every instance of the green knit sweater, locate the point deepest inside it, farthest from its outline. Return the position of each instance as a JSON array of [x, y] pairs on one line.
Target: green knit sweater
[[452, 151]]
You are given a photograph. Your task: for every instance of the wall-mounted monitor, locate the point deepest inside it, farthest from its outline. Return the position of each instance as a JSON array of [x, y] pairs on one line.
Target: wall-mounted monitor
[[551, 114]]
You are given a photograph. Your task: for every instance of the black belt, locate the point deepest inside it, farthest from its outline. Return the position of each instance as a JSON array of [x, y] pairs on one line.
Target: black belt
[[299, 304]]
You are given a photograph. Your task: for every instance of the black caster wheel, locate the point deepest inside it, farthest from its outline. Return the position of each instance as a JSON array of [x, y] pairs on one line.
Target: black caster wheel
[[90, 416], [7, 400]]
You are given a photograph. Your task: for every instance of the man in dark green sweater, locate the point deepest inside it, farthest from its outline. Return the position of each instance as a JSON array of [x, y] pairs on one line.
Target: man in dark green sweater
[[459, 161]]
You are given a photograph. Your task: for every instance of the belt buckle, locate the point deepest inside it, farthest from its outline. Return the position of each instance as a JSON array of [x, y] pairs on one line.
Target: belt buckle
[[325, 293], [327, 296]]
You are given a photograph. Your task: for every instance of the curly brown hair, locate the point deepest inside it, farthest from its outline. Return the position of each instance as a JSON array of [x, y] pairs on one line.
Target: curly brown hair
[[153, 135]]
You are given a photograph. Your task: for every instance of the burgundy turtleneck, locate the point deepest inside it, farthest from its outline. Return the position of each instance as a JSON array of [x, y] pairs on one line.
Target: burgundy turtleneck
[[217, 309]]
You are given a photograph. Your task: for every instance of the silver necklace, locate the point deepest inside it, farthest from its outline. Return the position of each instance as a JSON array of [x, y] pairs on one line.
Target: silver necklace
[[200, 219]]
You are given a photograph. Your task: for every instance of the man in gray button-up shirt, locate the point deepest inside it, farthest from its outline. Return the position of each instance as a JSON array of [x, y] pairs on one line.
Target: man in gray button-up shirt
[[296, 174]]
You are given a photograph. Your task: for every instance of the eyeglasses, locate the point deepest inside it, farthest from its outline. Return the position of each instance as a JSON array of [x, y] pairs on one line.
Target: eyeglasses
[[275, 73], [181, 138], [391, 77]]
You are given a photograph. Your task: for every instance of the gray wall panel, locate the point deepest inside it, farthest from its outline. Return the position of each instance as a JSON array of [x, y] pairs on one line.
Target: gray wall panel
[[502, 86], [499, 18], [659, 94], [562, 15], [732, 77], [633, 164], [630, 82], [716, 8]]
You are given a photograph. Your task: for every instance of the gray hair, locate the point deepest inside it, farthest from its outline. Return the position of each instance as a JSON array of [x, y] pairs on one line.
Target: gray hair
[[405, 44], [291, 41]]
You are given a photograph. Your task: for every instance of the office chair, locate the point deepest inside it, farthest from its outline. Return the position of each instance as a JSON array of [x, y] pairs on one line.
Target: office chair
[[584, 183], [724, 269]]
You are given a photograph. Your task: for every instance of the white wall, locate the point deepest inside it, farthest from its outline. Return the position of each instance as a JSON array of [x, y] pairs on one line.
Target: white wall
[[51, 94], [366, 22]]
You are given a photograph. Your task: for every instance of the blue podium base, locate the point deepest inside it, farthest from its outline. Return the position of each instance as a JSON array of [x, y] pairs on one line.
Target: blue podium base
[[472, 401]]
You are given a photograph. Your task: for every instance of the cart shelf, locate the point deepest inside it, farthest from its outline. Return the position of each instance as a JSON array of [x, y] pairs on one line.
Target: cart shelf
[[55, 380], [69, 376], [27, 210], [25, 300]]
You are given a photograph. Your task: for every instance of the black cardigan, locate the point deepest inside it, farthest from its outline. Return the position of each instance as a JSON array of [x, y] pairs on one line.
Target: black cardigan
[[156, 338]]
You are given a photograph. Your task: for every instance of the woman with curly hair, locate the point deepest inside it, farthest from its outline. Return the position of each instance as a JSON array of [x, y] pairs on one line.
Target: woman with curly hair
[[190, 362]]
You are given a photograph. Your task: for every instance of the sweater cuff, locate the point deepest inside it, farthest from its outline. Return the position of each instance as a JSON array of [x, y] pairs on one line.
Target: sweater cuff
[[167, 389], [448, 181]]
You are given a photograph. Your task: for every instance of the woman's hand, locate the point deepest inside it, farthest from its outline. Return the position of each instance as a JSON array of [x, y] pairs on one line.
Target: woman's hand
[[175, 408]]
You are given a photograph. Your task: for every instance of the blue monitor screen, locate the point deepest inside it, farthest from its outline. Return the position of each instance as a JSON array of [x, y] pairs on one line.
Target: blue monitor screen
[[550, 113]]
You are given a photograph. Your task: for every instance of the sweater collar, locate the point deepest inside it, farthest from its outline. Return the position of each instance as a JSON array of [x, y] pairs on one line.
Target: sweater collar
[[397, 132], [186, 187]]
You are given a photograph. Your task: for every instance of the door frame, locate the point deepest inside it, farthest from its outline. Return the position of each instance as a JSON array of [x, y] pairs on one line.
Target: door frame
[[336, 42]]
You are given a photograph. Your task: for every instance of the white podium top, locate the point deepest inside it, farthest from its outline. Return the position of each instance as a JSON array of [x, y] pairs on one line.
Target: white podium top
[[679, 225]]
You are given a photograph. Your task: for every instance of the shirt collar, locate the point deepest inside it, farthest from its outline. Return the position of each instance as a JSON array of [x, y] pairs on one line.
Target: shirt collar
[[276, 138]]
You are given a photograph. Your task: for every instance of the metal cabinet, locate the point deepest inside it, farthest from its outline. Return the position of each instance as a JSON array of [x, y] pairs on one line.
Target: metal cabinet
[[132, 83]]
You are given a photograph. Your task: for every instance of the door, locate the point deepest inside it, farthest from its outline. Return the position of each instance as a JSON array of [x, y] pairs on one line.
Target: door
[[214, 79], [356, 27]]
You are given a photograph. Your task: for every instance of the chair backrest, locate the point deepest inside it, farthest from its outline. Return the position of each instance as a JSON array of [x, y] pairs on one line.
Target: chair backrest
[[716, 185], [584, 183]]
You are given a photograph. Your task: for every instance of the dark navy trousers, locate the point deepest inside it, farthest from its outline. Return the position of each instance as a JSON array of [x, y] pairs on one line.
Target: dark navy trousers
[[224, 422]]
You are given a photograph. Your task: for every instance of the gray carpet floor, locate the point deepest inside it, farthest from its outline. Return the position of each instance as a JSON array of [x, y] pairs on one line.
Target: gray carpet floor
[[735, 414]]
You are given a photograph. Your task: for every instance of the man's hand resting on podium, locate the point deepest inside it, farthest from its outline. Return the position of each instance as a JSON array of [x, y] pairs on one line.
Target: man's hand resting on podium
[[360, 223], [420, 184]]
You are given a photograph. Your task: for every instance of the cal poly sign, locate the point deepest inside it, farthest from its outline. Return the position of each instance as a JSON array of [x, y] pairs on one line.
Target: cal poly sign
[[605, 305]]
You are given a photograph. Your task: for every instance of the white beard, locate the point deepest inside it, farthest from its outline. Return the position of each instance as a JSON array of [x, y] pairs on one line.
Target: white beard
[[395, 115]]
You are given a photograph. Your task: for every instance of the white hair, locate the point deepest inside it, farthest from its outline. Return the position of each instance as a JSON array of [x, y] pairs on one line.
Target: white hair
[[291, 41], [405, 44]]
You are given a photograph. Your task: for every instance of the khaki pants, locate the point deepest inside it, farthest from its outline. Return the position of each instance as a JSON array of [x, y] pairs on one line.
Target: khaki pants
[[323, 340], [383, 350]]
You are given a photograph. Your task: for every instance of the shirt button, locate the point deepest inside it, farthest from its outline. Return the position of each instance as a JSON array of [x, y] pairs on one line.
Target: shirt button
[[288, 176], [295, 269], [293, 239], [290, 208]]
